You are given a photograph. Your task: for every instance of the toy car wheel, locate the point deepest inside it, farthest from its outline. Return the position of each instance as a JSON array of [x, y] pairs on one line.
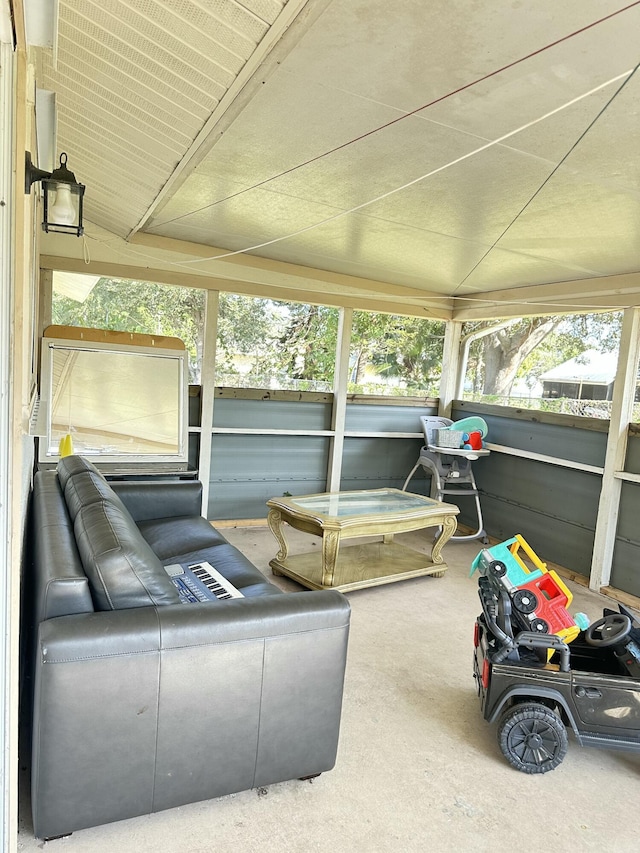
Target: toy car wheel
[[540, 626], [498, 569], [524, 601], [532, 738]]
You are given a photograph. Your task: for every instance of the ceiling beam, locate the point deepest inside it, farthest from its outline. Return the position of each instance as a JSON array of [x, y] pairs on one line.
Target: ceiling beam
[[243, 265], [265, 291], [613, 292], [151, 257]]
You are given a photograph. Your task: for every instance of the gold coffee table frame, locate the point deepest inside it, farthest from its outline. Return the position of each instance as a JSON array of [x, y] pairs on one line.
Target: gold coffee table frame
[[348, 515]]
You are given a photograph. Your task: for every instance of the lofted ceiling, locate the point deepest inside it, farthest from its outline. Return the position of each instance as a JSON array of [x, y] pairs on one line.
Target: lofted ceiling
[[458, 157]]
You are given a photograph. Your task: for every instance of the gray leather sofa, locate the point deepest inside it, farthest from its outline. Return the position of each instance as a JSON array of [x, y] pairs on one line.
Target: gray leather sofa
[[142, 703]]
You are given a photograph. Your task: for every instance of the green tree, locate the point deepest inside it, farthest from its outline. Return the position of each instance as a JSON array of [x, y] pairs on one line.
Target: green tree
[[396, 346], [247, 328], [272, 338], [140, 306], [307, 342]]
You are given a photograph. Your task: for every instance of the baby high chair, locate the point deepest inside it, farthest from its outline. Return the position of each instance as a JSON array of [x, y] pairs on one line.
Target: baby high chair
[[450, 468]]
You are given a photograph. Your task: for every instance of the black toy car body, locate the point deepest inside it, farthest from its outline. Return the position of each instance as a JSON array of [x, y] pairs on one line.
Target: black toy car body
[[536, 686]]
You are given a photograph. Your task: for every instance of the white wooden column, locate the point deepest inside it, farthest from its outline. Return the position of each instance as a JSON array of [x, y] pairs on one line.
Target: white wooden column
[[339, 412], [207, 393], [621, 414], [9, 487], [449, 379]]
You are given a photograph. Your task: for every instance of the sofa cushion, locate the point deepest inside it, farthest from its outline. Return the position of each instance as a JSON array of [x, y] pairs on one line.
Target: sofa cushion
[[170, 536], [122, 569], [231, 563], [69, 466], [87, 488]]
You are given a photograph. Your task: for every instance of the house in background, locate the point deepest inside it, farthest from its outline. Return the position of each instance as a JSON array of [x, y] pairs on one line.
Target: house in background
[[588, 376]]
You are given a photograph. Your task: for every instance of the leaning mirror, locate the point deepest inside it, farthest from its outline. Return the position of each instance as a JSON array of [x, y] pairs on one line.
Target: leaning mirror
[[119, 396]]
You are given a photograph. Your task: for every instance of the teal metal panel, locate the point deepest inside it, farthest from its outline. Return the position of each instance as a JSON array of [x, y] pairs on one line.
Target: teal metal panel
[[271, 414], [247, 470], [378, 463], [553, 539], [554, 508], [362, 417], [625, 570], [193, 410], [194, 451], [629, 513], [632, 462]]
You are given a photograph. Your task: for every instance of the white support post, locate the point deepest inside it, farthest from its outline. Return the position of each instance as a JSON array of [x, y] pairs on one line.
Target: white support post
[[621, 414], [207, 393], [339, 413], [45, 299], [450, 367], [9, 488]]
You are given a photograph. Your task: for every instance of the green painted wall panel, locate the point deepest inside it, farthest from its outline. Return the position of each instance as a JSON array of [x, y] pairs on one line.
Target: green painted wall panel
[[625, 572], [552, 539], [577, 445], [378, 463], [271, 414], [246, 470], [632, 465], [363, 417]]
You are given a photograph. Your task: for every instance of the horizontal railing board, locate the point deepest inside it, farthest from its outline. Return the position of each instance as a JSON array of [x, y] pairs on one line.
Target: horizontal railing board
[[464, 408]]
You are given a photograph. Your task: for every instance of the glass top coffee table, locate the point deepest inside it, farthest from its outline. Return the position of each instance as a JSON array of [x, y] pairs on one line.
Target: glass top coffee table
[[349, 515]]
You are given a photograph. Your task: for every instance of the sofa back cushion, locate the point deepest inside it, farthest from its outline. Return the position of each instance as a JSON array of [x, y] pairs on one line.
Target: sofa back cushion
[[122, 569], [87, 488], [69, 466]]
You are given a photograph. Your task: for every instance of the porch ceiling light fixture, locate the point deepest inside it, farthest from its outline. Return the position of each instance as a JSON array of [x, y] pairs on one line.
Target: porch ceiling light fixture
[[62, 197]]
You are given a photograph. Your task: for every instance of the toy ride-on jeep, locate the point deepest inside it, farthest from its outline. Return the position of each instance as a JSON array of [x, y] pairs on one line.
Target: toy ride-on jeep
[[536, 685]]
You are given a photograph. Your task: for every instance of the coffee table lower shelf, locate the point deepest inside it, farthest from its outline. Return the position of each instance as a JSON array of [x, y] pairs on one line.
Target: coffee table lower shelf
[[359, 566]]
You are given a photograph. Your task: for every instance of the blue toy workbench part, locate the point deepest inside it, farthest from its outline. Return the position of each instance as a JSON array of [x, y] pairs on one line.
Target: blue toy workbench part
[[472, 424], [516, 571]]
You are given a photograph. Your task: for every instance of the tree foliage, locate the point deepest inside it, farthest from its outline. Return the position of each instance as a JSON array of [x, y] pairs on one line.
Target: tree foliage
[[395, 346], [298, 341], [262, 336], [139, 306]]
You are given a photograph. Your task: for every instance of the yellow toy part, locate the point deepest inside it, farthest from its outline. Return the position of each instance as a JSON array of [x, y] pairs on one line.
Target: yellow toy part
[[65, 448], [520, 542]]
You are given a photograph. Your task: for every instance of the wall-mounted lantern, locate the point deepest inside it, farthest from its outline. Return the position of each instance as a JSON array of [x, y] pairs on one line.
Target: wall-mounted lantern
[[62, 197]]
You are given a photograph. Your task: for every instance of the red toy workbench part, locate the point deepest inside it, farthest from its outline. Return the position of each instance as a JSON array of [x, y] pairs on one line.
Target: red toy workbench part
[[544, 601]]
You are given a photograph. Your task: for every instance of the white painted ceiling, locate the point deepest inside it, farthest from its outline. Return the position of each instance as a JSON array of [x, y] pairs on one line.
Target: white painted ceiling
[[373, 139]]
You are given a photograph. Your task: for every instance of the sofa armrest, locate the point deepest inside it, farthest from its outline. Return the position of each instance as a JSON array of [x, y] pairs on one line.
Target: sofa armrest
[[149, 708], [147, 499]]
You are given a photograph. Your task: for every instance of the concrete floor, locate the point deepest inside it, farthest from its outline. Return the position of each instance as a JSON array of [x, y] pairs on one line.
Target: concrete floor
[[418, 768]]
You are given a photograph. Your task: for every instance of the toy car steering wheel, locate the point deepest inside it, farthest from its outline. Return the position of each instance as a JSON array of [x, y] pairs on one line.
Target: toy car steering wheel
[[608, 631]]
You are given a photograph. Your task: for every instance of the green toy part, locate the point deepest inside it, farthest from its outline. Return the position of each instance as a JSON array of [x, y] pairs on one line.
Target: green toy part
[[581, 620], [472, 424]]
